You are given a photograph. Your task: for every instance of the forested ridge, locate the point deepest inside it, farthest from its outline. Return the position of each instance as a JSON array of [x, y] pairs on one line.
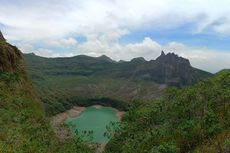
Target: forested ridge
[[82, 80], [194, 119], [63, 104]]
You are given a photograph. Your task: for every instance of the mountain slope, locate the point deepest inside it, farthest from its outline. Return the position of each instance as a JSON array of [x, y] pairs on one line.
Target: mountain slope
[[166, 69], [24, 127], [194, 119], [63, 81]]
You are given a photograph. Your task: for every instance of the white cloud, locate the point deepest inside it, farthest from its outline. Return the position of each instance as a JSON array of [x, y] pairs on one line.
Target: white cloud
[[64, 42], [104, 22], [203, 58], [50, 53], [52, 19], [96, 47], [26, 47], [44, 52]]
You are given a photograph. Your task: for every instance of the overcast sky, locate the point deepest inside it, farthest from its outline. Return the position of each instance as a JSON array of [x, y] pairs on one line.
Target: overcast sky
[[122, 29]]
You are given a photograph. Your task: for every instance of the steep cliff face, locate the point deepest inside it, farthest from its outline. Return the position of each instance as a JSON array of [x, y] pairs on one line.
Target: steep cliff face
[[171, 69], [175, 70]]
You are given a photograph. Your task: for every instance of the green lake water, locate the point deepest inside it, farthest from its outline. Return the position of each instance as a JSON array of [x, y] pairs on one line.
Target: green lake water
[[93, 119]]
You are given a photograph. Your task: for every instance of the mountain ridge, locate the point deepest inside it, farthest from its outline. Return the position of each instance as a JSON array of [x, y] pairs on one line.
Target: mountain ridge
[[164, 69], [62, 82]]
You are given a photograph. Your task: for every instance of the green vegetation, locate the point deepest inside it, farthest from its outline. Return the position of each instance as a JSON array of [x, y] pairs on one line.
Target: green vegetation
[[61, 83], [194, 119], [83, 80], [24, 127], [67, 103]]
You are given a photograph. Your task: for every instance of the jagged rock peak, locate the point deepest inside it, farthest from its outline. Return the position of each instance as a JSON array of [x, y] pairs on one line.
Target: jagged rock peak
[[162, 55], [2, 37], [172, 54], [172, 58]]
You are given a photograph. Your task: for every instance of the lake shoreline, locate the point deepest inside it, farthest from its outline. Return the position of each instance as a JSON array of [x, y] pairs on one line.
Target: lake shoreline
[[57, 121]]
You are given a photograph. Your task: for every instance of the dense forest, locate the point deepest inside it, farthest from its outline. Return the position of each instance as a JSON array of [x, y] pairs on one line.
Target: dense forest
[[193, 119], [66, 103]]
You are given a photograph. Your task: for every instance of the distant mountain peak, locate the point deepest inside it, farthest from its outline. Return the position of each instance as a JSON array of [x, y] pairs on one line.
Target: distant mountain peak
[[106, 58], [138, 59], [172, 58], [162, 53], [171, 69], [122, 61], [2, 37], [168, 69], [33, 54]]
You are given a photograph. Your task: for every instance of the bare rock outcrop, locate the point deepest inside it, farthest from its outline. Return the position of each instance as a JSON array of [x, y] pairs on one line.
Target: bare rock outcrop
[[2, 37], [10, 56]]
